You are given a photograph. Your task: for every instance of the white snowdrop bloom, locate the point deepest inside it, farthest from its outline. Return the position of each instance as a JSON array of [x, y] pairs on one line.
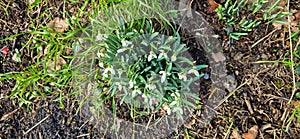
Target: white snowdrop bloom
[[144, 96], [150, 86], [119, 86], [101, 64], [164, 76], [111, 70], [173, 58], [151, 56], [126, 43], [163, 54], [131, 84], [100, 54], [121, 50], [134, 92], [168, 109], [182, 76], [176, 95], [194, 72], [178, 109], [173, 103], [101, 37]]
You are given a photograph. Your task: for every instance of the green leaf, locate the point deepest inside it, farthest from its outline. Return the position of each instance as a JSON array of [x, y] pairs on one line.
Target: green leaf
[[297, 70], [169, 68], [199, 67], [297, 95], [280, 22], [272, 6], [186, 60], [159, 106], [188, 103], [153, 35], [193, 95]]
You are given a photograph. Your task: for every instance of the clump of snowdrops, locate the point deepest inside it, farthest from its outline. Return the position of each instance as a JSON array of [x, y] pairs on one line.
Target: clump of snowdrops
[[146, 69]]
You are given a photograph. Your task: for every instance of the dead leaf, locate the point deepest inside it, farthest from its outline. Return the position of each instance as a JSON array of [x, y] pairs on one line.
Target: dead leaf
[[235, 134], [277, 26], [251, 134], [58, 24], [296, 104], [69, 51], [212, 5], [59, 62]]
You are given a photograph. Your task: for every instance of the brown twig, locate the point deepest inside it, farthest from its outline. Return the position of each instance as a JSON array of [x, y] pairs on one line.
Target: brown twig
[[291, 53], [230, 94], [36, 125], [260, 40]]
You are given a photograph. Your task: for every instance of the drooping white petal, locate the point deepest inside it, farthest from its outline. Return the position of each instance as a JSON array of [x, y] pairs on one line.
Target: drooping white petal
[[151, 56], [173, 103], [194, 72], [100, 54], [131, 84], [178, 109], [112, 71], [167, 108], [121, 50], [101, 64], [173, 58], [182, 76], [150, 86], [119, 86], [126, 43], [169, 111], [101, 37], [163, 77]]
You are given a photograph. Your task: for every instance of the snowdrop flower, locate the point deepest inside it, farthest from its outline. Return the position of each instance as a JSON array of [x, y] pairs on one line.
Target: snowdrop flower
[[125, 43], [111, 70], [131, 83], [151, 56], [121, 50], [100, 54], [178, 109], [163, 54], [101, 64], [119, 86], [176, 95], [182, 76], [193, 71], [134, 92], [150, 87], [168, 109], [101, 37], [164, 76], [173, 103], [173, 58]]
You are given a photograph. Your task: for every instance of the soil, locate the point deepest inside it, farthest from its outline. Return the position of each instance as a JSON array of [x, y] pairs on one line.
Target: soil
[[261, 98]]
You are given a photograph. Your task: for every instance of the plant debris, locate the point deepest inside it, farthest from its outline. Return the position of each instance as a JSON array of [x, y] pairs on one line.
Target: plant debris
[[251, 134], [58, 24]]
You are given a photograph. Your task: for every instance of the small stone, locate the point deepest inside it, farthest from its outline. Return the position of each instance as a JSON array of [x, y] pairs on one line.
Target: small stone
[[264, 56]]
